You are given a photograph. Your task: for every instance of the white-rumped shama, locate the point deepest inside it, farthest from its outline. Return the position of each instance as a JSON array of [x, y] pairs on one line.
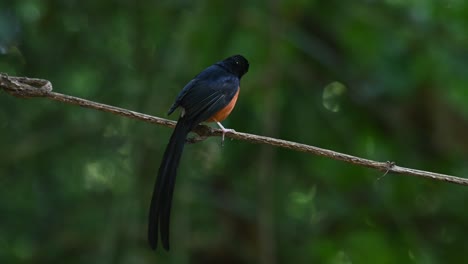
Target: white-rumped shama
[[209, 97]]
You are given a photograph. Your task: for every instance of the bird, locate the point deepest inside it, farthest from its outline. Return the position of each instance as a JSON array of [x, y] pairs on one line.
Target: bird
[[209, 97]]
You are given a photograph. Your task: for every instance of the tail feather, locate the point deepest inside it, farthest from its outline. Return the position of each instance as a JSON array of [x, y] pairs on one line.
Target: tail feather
[[161, 201]]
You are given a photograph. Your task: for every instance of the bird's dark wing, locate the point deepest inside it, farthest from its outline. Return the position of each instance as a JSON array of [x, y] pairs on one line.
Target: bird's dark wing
[[208, 93]]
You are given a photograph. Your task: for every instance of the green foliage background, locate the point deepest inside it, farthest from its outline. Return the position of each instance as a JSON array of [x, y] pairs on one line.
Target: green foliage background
[[75, 184]]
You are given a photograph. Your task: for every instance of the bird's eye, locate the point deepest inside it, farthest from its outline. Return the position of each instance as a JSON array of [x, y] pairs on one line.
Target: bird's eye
[[237, 62]]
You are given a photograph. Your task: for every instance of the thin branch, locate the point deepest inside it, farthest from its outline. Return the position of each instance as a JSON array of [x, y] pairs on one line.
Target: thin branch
[[29, 87]]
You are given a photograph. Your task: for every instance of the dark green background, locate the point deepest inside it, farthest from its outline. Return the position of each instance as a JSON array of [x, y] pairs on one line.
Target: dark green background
[[75, 184]]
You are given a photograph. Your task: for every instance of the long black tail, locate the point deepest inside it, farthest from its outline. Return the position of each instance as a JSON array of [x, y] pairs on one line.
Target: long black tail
[[160, 209]]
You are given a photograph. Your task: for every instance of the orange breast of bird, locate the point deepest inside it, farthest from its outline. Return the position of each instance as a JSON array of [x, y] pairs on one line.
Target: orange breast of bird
[[223, 113]]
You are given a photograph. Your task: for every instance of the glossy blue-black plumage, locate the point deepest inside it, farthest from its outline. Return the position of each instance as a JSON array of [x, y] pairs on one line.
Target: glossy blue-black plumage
[[204, 96]]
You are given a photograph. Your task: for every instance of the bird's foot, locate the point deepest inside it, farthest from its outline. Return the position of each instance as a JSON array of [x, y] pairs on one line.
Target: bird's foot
[[225, 130]]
